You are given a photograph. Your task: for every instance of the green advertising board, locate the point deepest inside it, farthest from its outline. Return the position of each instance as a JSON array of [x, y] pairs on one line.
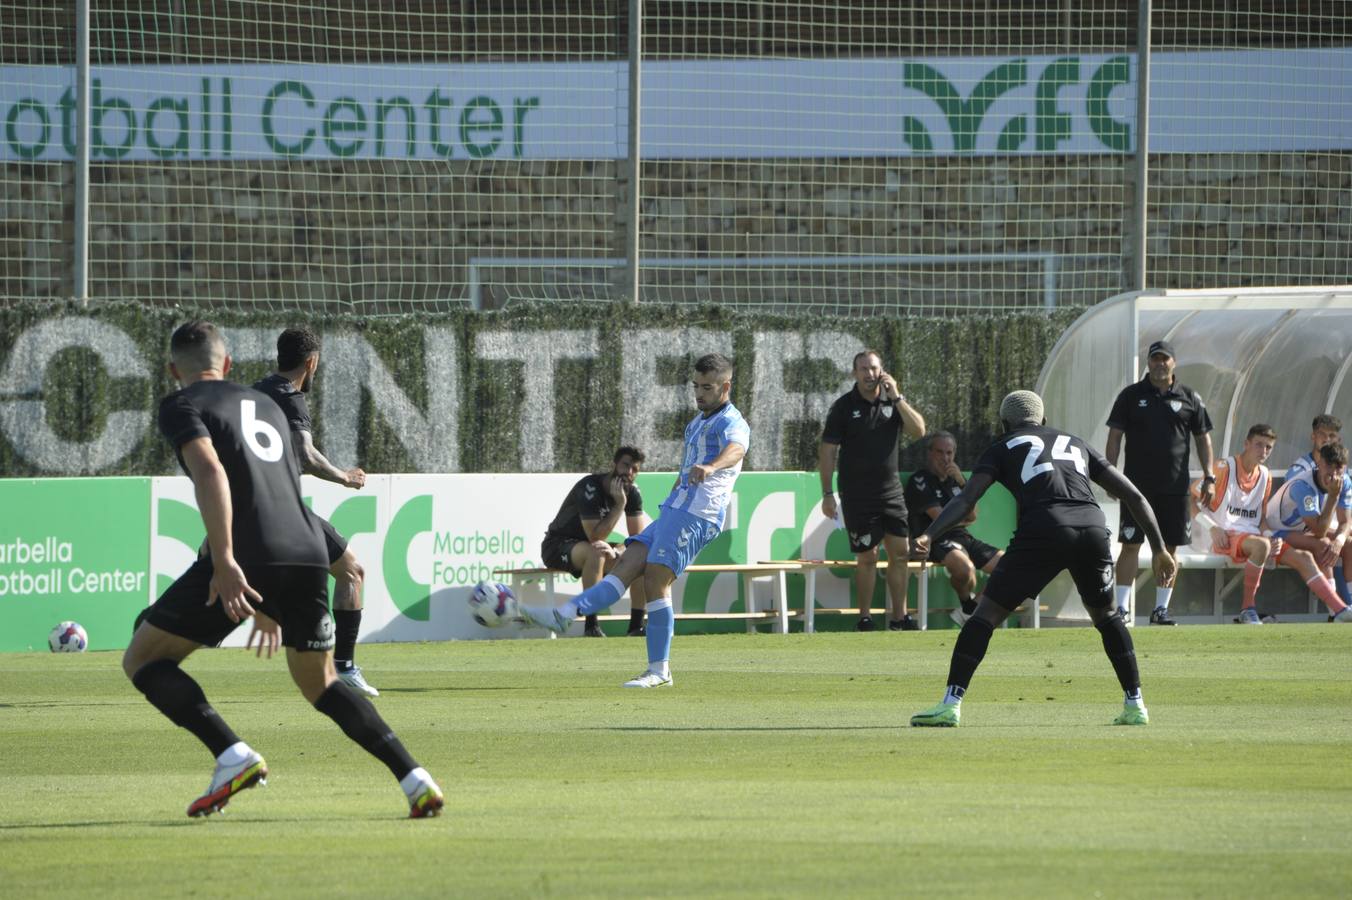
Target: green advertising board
[[73, 549]]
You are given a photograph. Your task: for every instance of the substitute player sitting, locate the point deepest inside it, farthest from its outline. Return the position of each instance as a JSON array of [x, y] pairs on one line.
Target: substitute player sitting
[[575, 541], [1312, 513], [1235, 513], [958, 551]]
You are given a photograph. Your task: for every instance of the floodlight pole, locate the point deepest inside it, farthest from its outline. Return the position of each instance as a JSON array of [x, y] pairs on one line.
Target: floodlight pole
[[1139, 224], [80, 260], [635, 151]]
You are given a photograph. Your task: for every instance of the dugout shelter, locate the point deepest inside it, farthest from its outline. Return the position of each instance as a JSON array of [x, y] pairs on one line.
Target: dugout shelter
[[1275, 355]]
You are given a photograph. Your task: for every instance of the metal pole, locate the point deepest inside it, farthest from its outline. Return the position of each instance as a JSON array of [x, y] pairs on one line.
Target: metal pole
[[635, 149], [80, 267], [1139, 225]]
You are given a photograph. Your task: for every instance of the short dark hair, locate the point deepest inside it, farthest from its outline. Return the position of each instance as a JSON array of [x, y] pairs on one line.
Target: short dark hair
[[196, 344], [632, 452], [1333, 454], [294, 347], [939, 436], [861, 354], [714, 364], [1333, 423], [1261, 430]]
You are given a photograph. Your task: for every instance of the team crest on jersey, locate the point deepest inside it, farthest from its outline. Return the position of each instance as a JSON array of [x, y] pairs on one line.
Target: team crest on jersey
[[1176, 405], [1311, 505], [887, 412]]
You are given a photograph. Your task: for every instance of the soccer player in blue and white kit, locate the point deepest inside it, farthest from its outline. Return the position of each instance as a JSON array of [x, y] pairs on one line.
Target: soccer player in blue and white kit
[[692, 516], [1325, 429], [1312, 513]]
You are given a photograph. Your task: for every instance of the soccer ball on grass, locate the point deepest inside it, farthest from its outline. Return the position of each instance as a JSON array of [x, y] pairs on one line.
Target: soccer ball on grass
[[68, 637], [492, 604]]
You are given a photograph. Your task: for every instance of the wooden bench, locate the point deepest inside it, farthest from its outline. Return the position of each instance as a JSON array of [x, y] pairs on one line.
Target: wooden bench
[[923, 570], [777, 615]]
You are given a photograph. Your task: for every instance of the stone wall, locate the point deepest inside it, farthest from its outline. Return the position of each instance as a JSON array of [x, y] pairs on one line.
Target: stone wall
[[374, 237]]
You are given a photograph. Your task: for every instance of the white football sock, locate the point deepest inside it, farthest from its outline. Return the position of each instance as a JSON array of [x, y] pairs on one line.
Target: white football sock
[[413, 780], [1162, 596], [1123, 595], [233, 755]]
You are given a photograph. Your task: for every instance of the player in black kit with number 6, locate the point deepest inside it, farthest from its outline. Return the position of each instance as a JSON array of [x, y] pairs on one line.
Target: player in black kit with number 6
[[267, 560], [1060, 526]]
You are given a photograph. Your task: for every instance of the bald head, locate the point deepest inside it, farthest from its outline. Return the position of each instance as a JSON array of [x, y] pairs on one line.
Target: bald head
[[197, 348]]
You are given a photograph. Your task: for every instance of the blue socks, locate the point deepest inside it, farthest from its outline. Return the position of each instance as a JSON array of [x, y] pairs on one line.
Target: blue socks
[[661, 626], [599, 596]]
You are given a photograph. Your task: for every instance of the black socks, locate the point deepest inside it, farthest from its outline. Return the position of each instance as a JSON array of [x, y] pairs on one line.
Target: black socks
[[174, 693]]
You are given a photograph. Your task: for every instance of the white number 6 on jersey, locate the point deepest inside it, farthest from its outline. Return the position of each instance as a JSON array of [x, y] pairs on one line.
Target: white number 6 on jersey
[[270, 448], [1061, 450]]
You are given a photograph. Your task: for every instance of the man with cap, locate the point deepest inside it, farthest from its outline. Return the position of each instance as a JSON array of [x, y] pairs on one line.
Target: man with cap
[[1060, 526], [1158, 415]]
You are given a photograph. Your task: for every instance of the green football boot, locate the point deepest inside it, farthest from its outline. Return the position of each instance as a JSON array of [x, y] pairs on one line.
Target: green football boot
[[945, 715], [1132, 715]]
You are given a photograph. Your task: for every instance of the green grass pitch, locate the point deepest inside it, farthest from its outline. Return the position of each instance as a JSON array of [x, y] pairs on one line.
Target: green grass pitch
[[777, 766]]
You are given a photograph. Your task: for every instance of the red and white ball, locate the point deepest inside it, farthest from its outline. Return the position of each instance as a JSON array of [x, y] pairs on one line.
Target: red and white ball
[[68, 637]]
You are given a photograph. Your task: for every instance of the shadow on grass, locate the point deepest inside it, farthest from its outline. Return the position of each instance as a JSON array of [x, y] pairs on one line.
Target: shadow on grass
[[217, 821], [737, 728]]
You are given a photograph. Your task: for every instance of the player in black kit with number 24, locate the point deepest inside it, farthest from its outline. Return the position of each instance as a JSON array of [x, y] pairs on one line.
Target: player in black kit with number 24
[[267, 560], [1060, 526]]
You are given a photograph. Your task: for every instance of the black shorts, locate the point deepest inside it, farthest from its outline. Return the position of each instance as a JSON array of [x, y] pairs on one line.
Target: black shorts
[[1031, 562], [979, 552], [1171, 511], [296, 596], [869, 517], [557, 553], [334, 542]]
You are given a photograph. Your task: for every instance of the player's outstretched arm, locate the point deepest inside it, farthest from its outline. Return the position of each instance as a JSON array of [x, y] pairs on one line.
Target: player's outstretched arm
[[1116, 484], [318, 465], [730, 456], [955, 511]]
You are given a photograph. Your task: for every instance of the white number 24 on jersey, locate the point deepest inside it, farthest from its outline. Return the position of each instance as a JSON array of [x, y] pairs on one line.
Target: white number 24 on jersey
[[1061, 451]]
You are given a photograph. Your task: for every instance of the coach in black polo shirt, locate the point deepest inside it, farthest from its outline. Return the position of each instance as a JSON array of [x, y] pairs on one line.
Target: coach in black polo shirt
[[862, 429], [1157, 415]]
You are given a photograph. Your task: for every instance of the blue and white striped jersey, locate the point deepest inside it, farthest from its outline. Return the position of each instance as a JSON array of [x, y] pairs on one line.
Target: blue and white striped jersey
[[704, 440]]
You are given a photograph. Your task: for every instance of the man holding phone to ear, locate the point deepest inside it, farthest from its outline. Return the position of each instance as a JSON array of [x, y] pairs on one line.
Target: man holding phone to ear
[[861, 433]]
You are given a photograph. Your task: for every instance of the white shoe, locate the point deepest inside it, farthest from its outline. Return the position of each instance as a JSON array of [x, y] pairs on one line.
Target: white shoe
[[544, 617], [958, 616], [352, 678], [1249, 617], [650, 679], [227, 781], [1124, 614], [1345, 616]]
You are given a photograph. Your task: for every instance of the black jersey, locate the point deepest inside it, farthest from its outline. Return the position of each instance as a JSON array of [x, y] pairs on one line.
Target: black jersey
[[867, 432], [294, 407], [589, 499], [1156, 426], [252, 439], [1050, 474], [925, 491]]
